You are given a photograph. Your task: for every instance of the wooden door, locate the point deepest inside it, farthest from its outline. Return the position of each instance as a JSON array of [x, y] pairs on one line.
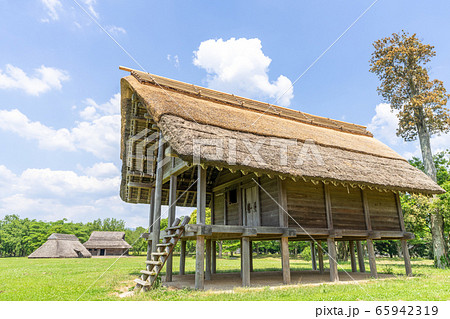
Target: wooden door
[[251, 211]]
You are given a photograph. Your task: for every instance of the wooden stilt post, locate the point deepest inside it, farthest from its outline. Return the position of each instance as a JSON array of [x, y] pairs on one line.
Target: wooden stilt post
[[313, 256], [245, 256], [320, 255], [251, 256], [332, 255], [150, 223], [201, 217], [360, 250], [240, 258], [372, 263], [208, 260], [171, 218], [285, 260], [200, 263], [182, 257], [405, 250], [406, 258], [158, 194], [352, 255], [214, 257]]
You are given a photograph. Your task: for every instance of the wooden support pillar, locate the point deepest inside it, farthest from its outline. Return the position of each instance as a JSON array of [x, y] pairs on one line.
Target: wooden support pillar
[[285, 260], [320, 255], [251, 256], [372, 263], [406, 257], [171, 219], [150, 223], [405, 250], [245, 257], [201, 195], [158, 194], [313, 256], [332, 255], [201, 217], [214, 257], [360, 250], [352, 255], [200, 263], [208, 260], [182, 257]]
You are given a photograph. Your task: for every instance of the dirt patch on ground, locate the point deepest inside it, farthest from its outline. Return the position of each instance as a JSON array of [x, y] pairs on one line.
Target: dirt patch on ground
[[273, 279]]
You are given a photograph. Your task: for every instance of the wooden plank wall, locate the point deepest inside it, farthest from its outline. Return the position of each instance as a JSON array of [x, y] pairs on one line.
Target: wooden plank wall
[[306, 204], [383, 210], [219, 207], [269, 206], [347, 208]]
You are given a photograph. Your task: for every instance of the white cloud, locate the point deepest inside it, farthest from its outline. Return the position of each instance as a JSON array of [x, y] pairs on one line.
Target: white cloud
[[91, 111], [45, 79], [116, 30], [48, 138], [384, 124], [52, 195], [53, 7], [99, 134], [240, 67], [102, 170], [90, 7]]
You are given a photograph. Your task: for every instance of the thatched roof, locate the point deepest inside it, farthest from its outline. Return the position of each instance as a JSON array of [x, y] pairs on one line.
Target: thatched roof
[[107, 239], [61, 246], [350, 154]]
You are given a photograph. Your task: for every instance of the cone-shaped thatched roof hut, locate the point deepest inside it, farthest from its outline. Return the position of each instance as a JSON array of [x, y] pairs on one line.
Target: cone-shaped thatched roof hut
[[61, 246], [107, 243]]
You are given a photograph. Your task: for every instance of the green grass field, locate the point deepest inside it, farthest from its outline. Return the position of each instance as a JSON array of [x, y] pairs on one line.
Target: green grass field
[[68, 279]]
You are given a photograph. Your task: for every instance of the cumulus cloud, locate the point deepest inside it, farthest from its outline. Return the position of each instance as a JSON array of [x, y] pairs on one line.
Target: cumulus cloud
[[239, 66], [102, 170], [45, 79], [384, 126], [98, 134], [53, 7], [48, 138]]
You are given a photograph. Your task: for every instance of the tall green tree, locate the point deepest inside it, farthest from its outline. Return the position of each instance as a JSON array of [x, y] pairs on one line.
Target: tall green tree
[[400, 62]]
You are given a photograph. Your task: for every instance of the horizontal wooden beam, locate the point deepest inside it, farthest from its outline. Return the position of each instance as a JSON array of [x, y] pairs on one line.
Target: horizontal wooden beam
[[246, 178]]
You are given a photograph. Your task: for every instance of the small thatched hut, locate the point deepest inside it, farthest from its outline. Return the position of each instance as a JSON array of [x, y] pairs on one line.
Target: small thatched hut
[[61, 246], [266, 172], [107, 243]]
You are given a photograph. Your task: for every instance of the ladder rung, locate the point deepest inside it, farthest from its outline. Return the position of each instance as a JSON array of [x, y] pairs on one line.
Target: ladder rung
[[164, 245], [160, 254], [174, 227], [142, 282], [171, 236], [149, 273], [153, 262]]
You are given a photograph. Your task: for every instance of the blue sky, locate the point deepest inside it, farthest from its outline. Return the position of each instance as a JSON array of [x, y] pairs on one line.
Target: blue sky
[[59, 80]]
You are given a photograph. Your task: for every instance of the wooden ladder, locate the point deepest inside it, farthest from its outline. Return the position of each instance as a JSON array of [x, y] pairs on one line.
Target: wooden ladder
[[160, 256]]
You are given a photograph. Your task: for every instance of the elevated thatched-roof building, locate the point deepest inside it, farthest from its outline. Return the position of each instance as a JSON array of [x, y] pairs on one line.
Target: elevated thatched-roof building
[[107, 243], [266, 172], [61, 246]]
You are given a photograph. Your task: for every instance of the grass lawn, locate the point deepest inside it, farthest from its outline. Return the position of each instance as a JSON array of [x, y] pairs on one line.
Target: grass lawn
[[68, 279]]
